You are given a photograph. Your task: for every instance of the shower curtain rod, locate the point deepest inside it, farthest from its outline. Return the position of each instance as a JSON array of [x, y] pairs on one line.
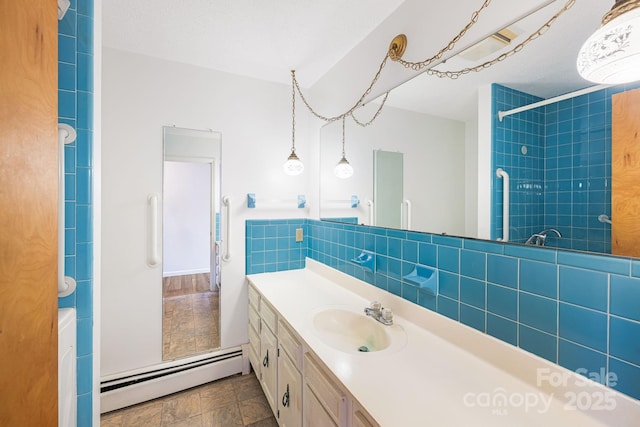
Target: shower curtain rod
[[503, 114]]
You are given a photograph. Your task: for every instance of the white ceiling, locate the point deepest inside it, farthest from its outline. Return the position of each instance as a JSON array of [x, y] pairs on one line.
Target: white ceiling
[[266, 39], [256, 38]]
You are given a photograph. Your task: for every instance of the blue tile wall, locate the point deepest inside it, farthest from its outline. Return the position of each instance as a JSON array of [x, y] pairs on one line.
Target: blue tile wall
[[561, 309], [271, 245], [568, 156], [75, 107], [518, 148]]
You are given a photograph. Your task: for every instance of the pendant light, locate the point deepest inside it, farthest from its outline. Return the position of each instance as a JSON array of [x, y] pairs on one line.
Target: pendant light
[[612, 54], [343, 169], [293, 165]]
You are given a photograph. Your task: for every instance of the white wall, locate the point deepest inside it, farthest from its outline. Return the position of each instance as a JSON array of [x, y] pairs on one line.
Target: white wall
[[186, 218], [471, 177], [434, 166], [484, 162], [140, 95]]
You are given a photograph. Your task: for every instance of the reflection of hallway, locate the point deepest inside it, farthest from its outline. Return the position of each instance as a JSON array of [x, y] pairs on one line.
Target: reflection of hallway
[[191, 313]]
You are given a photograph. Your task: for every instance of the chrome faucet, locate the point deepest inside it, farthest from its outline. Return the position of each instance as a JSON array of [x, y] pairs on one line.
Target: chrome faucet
[[539, 239], [382, 315]]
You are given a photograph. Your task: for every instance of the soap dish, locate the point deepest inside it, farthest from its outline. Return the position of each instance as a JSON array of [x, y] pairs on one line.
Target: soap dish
[[366, 260], [425, 278]]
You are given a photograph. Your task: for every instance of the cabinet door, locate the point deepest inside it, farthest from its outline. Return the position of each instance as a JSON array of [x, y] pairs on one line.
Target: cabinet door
[[269, 362], [314, 413], [289, 392]]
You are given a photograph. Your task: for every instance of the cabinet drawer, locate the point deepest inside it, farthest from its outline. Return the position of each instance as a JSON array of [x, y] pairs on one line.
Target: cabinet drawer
[[362, 420], [268, 315], [254, 319], [289, 342], [254, 340], [314, 415], [324, 389], [254, 297], [255, 360]]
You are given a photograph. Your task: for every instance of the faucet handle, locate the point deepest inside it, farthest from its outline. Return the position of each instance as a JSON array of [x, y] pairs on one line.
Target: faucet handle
[[375, 305], [387, 314]]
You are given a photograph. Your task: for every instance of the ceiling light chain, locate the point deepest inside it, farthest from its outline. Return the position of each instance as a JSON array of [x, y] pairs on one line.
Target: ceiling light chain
[[375, 116], [293, 113], [417, 66], [455, 74], [343, 153], [349, 112]]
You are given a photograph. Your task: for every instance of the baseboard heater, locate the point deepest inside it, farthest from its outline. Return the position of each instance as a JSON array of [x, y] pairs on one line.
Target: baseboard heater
[[116, 393]]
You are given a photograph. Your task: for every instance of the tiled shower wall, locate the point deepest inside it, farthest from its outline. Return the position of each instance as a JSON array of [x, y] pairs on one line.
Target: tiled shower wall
[[575, 309], [562, 180], [75, 107], [518, 148]]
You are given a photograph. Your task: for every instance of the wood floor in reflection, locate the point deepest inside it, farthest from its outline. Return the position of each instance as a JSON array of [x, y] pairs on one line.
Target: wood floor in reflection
[[237, 401], [191, 316]]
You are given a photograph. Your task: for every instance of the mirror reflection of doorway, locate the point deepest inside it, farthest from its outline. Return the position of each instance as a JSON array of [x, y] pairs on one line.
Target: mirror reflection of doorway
[[190, 259], [387, 188]]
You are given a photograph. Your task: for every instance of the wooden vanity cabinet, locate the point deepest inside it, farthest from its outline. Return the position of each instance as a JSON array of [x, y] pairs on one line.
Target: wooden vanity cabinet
[[298, 387], [269, 365], [277, 364], [289, 377]]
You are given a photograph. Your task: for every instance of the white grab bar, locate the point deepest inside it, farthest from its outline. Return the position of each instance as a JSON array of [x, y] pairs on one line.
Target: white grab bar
[[226, 201], [407, 203], [152, 203], [371, 212], [604, 218], [66, 135], [500, 173]]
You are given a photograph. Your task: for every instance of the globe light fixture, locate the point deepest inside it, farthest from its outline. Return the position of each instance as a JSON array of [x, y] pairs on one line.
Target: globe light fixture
[[612, 54], [343, 169]]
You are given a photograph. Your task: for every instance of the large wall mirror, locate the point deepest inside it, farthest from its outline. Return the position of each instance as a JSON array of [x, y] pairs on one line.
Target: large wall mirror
[[559, 155], [191, 279]]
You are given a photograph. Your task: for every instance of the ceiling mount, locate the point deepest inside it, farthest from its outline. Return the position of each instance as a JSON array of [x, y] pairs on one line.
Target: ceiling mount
[[397, 47]]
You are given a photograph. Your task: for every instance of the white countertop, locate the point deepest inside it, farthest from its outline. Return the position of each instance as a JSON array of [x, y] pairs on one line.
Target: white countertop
[[447, 374]]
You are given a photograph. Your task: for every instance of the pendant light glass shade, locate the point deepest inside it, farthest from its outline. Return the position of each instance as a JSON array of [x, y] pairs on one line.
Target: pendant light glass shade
[[293, 165], [612, 54], [343, 169]]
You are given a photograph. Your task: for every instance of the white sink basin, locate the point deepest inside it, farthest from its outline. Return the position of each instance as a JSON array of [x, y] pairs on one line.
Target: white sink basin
[[353, 332]]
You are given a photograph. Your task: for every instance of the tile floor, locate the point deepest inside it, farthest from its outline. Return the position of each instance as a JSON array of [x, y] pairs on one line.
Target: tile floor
[[191, 316], [237, 401]]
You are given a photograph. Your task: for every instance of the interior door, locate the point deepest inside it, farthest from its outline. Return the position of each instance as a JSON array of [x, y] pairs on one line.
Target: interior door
[[625, 174], [28, 213]]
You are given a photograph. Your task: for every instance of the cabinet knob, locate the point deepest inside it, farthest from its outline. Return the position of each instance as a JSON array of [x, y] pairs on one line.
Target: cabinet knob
[[265, 361]]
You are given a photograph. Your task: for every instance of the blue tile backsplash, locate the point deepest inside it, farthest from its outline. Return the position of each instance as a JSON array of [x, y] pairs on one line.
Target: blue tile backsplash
[[575, 309]]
